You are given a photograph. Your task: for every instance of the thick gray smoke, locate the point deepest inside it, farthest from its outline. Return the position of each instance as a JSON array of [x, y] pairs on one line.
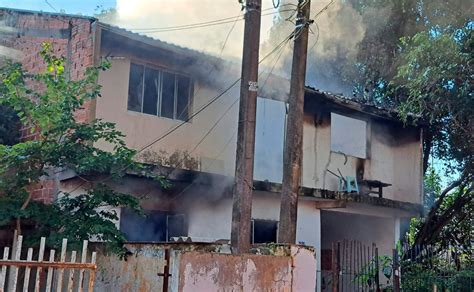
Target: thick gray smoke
[[333, 42]]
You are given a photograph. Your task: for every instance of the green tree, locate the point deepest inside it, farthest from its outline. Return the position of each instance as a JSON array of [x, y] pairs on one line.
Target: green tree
[[435, 80], [48, 102], [9, 126]]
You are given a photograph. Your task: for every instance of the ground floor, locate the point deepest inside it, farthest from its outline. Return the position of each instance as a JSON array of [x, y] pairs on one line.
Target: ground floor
[[201, 211]]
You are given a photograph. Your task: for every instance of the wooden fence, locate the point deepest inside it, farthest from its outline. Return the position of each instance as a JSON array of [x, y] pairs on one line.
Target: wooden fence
[[53, 275]]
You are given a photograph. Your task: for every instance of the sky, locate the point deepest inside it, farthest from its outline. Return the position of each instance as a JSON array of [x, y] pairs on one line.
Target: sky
[[84, 7]]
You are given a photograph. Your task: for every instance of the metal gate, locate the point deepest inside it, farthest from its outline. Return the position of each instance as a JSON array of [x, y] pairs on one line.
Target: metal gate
[[60, 274], [355, 266]]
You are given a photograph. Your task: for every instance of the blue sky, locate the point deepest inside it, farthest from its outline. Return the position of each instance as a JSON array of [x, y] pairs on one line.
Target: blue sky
[[85, 7]]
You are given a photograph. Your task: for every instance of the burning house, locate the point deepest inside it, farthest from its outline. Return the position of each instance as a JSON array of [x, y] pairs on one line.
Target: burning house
[[362, 167]]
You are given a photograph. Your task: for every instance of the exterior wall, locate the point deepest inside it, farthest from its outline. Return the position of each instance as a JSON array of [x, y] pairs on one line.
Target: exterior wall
[[197, 267], [141, 129], [70, 37], [212, 220], [394, 154], [367, 229], [394, 157]]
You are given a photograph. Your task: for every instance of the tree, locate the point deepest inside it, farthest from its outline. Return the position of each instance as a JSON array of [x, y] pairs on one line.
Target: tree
[[48, 102], [9, 126], [435, 80]]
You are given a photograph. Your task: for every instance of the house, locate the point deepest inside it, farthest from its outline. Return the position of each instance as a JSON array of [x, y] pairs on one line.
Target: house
[[159, 94]]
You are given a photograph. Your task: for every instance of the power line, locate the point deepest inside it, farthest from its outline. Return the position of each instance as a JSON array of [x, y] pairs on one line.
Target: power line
[[50, 5], [209, 103], [235, 130], [197, 25], [205, 22]]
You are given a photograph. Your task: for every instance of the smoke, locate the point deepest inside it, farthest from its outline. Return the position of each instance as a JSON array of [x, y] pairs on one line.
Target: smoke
[[141, 14], [333, 42], [6, 51]]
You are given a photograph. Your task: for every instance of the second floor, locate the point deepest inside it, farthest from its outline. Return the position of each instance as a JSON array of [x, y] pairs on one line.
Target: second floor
[[154, 88], [179, 108]]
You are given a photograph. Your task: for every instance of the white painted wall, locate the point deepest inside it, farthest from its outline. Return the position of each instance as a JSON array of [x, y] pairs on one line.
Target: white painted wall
[[389, 161], [367, 229], [212, 220], [394, 157]]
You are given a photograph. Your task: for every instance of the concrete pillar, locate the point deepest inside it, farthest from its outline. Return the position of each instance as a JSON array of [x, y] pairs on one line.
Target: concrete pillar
[[309, 231], [397, 230]]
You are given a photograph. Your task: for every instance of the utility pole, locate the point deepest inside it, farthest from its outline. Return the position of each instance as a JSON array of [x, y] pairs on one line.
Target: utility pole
[[294, 132], [242, 196]]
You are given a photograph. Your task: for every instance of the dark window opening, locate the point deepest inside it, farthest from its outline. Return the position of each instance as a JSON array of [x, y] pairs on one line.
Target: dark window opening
[[264, 231], [159, 92], [168, 95], [184, 94], [155, 226], [151, 93], [135, 88]]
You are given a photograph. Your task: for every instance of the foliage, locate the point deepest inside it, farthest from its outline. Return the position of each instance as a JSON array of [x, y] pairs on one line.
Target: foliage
[[9, 126], [48, 102], [417, 277], [428, 77], [371, 270]]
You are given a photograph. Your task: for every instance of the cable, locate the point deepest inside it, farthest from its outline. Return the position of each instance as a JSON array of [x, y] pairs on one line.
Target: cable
[[198, 25], [276, 5], [50, 5], [323, 9], [206, 22], [235, 130], [235, 101], [209, 103]]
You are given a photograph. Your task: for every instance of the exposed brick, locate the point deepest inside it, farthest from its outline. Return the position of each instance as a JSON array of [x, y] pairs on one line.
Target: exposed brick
[[81, 52]]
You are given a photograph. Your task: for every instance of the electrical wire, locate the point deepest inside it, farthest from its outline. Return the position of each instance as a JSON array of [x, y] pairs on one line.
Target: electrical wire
[[235, 130], [276, 5], [197, 25], [209, 103], [205, 22], [50, 5]]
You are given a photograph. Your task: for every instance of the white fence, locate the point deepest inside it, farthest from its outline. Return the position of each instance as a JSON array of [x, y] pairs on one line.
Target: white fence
[[63, 274]]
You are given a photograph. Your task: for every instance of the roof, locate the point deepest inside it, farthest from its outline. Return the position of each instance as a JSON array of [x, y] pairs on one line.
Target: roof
[[311, 93], [337, 100], [26, 11], [152, 41]]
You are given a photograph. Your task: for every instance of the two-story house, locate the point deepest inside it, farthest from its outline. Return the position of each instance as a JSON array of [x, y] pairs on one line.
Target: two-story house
[[159, 95]]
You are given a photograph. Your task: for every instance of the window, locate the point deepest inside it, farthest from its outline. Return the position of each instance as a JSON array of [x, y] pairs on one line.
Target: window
[[155, 226], [348, 136], [264, 231], [158, 92]]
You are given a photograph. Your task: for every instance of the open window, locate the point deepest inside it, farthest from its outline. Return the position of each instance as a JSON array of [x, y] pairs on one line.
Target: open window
[[264, 231], [157, 226], [159, 92], [348, 136]]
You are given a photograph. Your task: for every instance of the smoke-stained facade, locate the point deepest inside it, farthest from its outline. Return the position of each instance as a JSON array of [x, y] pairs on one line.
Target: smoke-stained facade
[[154, 86]]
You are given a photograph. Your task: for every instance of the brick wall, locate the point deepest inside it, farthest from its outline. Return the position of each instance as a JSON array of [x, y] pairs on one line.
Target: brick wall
[[71, 37]]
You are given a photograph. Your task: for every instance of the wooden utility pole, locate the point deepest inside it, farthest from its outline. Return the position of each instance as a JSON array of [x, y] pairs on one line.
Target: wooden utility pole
[[242, 206], [294, 132]]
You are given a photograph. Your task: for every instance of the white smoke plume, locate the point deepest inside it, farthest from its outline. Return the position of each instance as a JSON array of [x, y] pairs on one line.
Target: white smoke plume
[[334, 38]]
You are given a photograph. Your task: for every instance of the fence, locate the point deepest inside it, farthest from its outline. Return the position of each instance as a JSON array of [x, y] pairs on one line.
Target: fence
[[427, 268], [50, 275], [355, 266]]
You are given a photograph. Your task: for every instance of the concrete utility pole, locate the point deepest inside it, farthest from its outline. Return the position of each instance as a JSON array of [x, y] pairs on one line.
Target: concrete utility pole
[[294, 131], [242, 206]]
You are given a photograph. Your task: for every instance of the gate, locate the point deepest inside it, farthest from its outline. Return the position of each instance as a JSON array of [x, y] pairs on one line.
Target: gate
[[40, 275], [355, 266]]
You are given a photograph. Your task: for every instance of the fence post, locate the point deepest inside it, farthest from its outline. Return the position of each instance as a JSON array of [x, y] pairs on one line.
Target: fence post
[[377, 269], [335, 267], [396, 272]]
